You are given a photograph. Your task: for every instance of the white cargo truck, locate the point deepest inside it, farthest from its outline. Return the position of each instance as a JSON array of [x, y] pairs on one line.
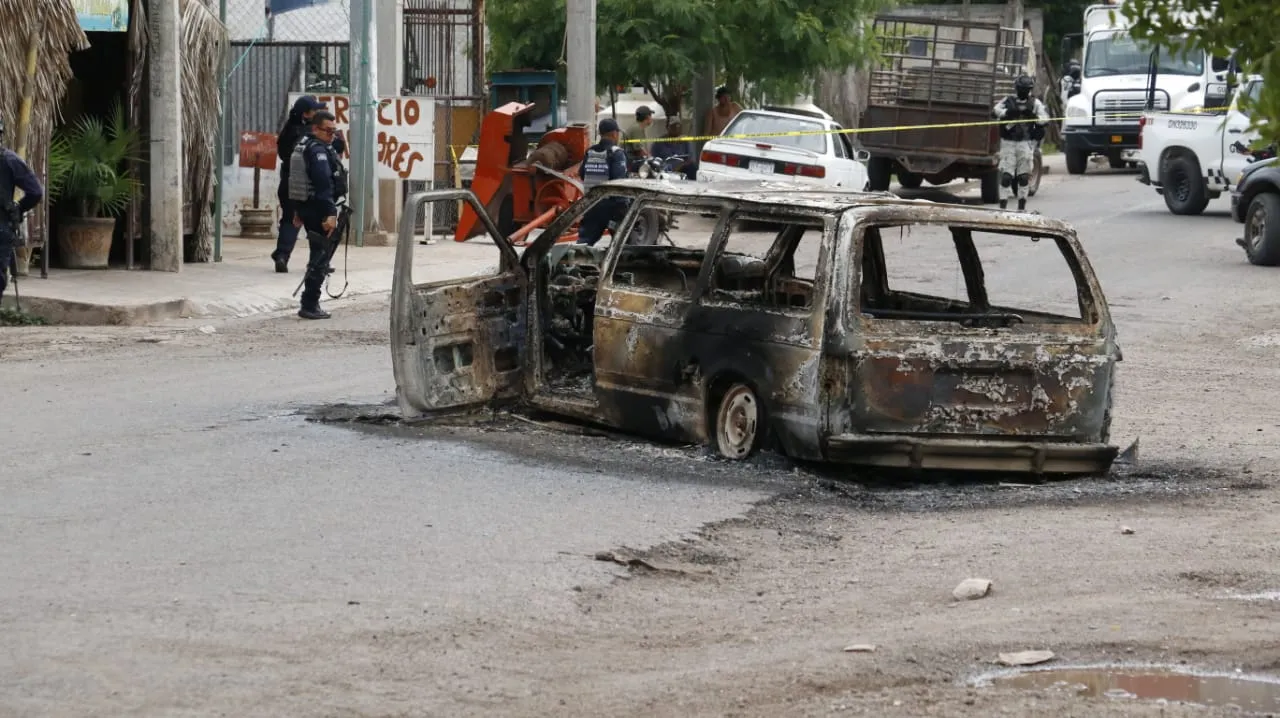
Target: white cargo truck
[[1102, 111]]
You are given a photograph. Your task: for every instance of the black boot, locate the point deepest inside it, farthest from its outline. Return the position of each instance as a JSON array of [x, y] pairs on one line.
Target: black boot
[[1004, 204], [1022, 204], [282, 263], [311, 286], [313, 313]]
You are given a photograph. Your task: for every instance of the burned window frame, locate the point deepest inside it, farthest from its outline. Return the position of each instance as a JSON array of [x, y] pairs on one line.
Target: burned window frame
[[1088, 295], [695, 206], [824, 223]]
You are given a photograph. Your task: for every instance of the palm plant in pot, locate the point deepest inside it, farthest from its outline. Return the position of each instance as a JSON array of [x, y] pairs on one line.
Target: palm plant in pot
[[88, 168]]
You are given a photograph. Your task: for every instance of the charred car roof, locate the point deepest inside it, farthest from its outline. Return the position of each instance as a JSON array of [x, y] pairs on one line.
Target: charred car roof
[[826, 201]]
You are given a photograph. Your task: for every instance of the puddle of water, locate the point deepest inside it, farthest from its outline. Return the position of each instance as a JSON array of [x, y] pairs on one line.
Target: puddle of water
[[1249, 693]]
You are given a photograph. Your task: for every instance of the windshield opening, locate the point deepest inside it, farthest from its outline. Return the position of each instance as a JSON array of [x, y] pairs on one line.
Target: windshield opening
[[753, 124], [1119, 54]]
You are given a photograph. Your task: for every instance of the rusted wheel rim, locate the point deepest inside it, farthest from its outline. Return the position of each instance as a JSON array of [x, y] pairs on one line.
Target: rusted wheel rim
[[738, 422], [1257, 226]]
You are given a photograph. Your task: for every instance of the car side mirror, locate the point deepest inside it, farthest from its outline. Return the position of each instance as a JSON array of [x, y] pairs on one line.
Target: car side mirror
[[862, 156]]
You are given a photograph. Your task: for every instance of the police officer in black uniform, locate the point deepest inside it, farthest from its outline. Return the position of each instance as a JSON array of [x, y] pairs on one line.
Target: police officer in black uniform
[[294, 129], [604, 161], [14, 174], [317, 180]]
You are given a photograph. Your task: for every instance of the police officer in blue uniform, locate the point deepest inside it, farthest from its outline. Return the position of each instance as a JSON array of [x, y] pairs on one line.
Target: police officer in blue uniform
[[317, 180], [14, 174], [604, 161], [294, 129]]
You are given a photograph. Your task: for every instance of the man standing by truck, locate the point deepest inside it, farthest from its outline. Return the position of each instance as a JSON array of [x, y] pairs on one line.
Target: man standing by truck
[[1025, 118]]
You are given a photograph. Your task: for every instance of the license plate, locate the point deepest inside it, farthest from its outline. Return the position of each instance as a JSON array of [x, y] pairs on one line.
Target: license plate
[[760, 167], [1116, 139]]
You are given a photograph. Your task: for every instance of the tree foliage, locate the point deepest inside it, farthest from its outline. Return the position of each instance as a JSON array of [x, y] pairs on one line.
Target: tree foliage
[[664, 44], [1245, 28]]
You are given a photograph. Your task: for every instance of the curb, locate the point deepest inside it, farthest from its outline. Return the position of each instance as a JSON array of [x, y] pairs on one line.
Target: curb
[[71, 313]]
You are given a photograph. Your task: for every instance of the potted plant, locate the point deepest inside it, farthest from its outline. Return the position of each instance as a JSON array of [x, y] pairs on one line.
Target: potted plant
[[88, 168]]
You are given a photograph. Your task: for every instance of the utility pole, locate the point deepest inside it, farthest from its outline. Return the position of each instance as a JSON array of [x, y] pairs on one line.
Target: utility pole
[[166, 138], [581, 40], [361, 149], [390, 43], [220, 161]]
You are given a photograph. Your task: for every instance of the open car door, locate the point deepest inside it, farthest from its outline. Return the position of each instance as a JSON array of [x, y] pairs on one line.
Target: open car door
[[459, 342]]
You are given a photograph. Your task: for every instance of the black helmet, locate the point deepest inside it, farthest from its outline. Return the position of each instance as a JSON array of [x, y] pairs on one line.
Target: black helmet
[[1023, 86]]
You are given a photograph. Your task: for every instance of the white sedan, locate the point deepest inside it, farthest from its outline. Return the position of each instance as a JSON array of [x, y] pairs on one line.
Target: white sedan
[[820, 157]]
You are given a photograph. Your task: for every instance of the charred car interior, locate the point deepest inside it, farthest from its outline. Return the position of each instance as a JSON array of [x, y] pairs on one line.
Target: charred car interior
[[836, 326]]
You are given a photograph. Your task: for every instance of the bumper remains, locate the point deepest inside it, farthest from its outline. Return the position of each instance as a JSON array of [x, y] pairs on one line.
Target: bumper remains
[[906, 452]]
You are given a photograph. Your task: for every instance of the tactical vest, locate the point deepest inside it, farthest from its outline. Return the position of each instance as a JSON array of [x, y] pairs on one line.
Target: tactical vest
[[1019, 131], [595, 169], [300, 189]]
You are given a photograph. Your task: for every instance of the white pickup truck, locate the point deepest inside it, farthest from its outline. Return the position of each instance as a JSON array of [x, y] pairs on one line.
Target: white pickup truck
[[1192, 158]]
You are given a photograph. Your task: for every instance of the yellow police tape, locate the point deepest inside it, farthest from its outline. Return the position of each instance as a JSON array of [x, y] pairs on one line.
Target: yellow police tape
[[869, 130]]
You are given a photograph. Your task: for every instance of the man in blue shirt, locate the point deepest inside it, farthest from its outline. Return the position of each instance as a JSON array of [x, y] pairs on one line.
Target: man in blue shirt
[[604, 161], [14, 174]]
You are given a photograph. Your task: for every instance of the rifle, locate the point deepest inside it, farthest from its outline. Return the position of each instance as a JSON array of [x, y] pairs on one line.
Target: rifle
[[341, 234]]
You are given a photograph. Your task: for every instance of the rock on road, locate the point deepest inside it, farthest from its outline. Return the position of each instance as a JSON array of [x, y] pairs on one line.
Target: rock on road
[[180, 540]]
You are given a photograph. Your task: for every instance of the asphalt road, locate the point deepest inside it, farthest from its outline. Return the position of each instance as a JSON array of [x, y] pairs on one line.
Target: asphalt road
[[180, 540]]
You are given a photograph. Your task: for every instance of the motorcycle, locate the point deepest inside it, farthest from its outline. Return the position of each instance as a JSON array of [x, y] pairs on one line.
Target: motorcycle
[[650, 224]]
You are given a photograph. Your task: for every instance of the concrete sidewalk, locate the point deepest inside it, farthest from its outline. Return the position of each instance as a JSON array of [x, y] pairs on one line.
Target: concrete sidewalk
[[244, 283]]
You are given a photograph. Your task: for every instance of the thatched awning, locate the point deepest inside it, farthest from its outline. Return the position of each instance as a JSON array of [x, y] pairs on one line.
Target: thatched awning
[[53, 24]]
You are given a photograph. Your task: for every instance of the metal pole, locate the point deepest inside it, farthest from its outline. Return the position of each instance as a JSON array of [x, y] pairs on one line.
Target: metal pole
[[361, 146], [221, 161]]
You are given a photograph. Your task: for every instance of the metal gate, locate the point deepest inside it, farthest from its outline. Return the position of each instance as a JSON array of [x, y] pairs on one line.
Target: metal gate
[[266, 72], [444, 60]]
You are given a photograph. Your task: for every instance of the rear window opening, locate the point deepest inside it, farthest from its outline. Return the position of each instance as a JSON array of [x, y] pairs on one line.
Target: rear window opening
[[747, 123], [973, 277]]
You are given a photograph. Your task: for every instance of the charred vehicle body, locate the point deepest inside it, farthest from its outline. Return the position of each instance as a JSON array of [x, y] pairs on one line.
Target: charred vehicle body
[[816, 333]]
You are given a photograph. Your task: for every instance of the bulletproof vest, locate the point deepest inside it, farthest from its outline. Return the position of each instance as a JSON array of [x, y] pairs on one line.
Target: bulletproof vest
[[1019, 131], [299, 180], [595, 170], [300, 188]]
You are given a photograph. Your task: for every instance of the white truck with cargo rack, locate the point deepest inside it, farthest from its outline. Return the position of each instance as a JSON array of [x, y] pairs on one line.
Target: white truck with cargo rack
[[1193, 158]]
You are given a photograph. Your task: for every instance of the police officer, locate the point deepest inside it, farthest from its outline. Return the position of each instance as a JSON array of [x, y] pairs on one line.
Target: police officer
[[14, 174], [1019, 136], [604, 161], [294, 129], [317, 180]]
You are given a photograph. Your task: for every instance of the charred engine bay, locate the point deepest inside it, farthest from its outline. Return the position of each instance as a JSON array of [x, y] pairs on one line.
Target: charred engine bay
[[535, 439], [572, 282]]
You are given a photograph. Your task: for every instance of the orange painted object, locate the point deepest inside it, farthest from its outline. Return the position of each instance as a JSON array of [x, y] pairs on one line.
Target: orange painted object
[[494, 159], [503, 177], [258, 150]]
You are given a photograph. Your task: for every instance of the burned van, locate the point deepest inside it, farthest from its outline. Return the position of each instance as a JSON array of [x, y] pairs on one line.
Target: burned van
[[836, 326]]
